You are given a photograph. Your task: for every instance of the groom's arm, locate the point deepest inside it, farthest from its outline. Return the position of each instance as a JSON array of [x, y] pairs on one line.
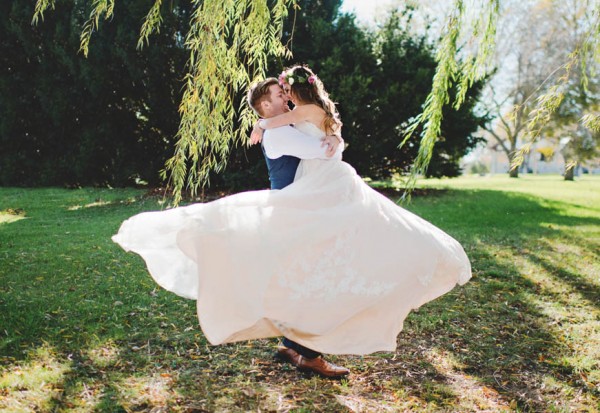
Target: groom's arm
[[287, 140]]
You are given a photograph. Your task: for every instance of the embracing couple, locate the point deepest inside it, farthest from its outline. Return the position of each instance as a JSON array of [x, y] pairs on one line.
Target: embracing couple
[[324, 260], [283, 148]]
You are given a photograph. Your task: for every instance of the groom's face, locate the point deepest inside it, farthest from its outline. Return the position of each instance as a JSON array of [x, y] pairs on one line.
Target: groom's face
[[277, 102]]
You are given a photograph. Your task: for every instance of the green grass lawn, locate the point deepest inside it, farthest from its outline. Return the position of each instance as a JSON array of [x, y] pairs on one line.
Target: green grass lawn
[[83, 327]]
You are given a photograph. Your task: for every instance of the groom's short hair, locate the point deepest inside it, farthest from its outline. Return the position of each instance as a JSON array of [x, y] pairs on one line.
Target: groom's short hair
[[258, 92]]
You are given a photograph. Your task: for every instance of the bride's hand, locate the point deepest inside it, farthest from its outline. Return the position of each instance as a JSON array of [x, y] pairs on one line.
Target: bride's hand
[[257, 133], [332, 142]]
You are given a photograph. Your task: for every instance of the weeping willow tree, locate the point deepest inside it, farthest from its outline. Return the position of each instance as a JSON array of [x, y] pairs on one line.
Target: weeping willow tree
[[229, 42]]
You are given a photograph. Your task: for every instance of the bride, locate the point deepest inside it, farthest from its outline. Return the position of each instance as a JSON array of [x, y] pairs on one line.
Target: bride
[[327, 261]]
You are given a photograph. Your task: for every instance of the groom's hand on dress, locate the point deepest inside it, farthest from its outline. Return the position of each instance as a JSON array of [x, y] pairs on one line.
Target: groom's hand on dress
[[331, 142]]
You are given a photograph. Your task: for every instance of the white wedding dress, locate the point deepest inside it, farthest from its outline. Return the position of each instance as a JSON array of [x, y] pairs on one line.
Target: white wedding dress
[[327, 262]]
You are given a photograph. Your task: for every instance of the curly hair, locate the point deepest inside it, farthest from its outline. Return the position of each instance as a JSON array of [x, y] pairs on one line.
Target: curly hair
[[308, 88]]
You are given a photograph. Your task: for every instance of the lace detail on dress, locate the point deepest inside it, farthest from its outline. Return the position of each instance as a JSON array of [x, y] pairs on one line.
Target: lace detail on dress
[[326, 271]]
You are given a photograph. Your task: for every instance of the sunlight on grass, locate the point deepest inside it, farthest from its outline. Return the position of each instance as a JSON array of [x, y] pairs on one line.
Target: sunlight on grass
[[551, 187], [85, 396], [567, 309], [470, 392], [276, 400], [11, 215], [32, 385], [98, 203], [95, 393], [104, 355], [362, 404], [139, 392]]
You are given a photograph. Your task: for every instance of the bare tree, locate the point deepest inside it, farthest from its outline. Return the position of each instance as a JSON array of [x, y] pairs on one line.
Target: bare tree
[[528, 54], [578, 143]]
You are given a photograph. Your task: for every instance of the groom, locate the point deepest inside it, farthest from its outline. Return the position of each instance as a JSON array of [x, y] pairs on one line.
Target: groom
[[283, 148]]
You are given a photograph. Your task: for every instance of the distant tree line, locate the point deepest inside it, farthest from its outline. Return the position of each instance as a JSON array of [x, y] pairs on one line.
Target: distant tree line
[[111, 118]]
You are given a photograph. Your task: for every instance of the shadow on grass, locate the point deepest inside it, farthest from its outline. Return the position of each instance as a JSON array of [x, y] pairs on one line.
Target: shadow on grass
[[131, 347], [498, 331], [587, 289]]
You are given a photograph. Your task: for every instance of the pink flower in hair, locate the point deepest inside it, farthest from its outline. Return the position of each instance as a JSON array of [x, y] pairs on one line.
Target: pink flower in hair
[[282, 78], [311, 79]]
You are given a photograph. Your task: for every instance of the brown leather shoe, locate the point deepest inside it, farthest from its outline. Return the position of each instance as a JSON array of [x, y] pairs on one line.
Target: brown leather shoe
[[287, 354], [321, 366]]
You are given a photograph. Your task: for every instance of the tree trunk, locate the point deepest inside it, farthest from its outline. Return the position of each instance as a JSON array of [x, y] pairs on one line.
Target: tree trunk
[[570, 172], [513, 171]]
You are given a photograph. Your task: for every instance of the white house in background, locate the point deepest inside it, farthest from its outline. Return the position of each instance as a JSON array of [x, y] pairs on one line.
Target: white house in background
[[543, 158]]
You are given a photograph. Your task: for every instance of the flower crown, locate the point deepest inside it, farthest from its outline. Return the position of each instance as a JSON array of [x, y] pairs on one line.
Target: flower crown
[[291, 78]]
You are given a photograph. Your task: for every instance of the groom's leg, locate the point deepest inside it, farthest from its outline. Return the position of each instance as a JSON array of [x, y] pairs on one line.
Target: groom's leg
[[303, 351]]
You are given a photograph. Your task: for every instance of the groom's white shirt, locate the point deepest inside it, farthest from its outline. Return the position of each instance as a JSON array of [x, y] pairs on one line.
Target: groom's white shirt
[[288, 140]]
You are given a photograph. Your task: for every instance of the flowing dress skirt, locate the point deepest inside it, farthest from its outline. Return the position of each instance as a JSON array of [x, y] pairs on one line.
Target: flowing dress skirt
[[327, 262]]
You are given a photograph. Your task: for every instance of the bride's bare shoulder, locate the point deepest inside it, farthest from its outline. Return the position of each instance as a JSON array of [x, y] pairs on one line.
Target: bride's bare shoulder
[[313, 113], [315, 108]]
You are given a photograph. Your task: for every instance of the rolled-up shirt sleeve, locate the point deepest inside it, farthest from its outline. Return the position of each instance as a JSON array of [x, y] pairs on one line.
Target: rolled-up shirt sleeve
[[288, 140]]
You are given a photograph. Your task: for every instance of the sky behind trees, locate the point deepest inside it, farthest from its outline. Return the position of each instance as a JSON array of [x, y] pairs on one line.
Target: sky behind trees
[[366, 11]]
